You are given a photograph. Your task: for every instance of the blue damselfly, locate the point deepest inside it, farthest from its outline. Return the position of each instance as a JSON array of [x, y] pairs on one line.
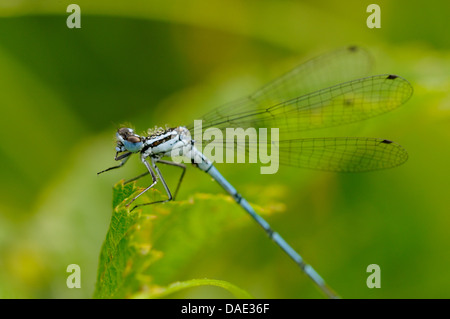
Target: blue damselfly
[[330, 90]]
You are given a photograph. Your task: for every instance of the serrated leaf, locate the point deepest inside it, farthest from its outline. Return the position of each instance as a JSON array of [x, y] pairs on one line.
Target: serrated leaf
[[145, 248]]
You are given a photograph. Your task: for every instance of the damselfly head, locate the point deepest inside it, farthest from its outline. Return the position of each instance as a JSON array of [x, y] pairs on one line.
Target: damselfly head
[[127, 140]]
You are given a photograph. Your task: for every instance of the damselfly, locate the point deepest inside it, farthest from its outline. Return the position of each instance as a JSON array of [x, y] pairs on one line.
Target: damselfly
[[330, 90]]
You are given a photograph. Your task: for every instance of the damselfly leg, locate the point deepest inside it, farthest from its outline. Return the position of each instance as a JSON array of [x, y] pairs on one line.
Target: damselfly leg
[[123, 157], [181, 177], [167, 163], [136, 178], [154, 181], [126, 156]]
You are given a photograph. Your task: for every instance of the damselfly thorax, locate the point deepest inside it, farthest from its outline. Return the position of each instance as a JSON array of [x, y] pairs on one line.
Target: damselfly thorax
[[173, 143], [164, 142]]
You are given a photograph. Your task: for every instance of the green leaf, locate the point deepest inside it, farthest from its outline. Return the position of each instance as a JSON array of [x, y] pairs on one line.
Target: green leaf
[[145, 248]]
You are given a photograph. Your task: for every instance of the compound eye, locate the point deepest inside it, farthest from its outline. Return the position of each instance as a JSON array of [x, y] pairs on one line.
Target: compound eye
[[125, 131], [133, 139]]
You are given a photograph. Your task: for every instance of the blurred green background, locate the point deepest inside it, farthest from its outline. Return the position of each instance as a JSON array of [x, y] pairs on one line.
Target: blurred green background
[[63, 93]]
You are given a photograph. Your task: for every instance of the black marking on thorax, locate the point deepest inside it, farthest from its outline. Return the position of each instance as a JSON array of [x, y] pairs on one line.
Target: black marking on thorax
[[159, 141]]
